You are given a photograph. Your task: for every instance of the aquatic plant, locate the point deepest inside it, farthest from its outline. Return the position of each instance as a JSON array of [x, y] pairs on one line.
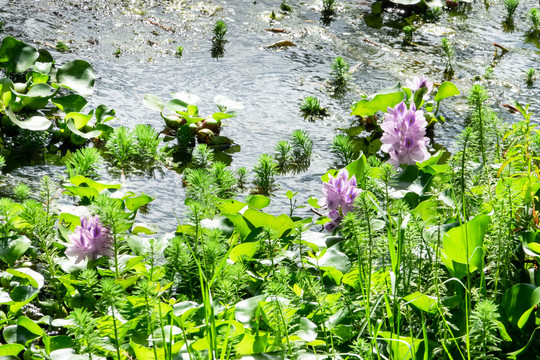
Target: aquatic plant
[[343, 148], [511, 6], [450, 55], [328, 7], [311, 108], [21, 192], [283, 154], [265, 171], [302, 145], [179, 51], [202, 156], [433, 14], [404, 135], [408, 31], [62, 47], [530, 76], [484, 329], [241, 177], [220, 30], [121, 146], [83, 162], [534, 16], [91, 240], [285, 6], [340, 72]]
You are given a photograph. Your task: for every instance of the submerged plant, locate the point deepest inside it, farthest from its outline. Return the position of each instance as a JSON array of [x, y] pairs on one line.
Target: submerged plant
[[531, 75], [404, 135], [340, 72], [328, 7], [285, 7], [534, 17], [265, 171], [179, 51], [343, 149]]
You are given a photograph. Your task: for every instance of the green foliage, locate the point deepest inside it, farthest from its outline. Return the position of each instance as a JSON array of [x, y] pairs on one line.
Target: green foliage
[[408, 32], [220, 30], [449, 53], [328, 6], [340, 72], [83, 162], [22, 192], [534, 17], [511, 6], [343, 149], [285, 6], [484, 330], [202, 156], [265, 171], [179, 51], [302, 145], [62, 47], [530, 77], [311, 108]]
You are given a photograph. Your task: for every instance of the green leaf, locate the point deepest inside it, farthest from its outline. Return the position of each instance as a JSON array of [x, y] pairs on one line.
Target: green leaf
[[12, 248], [279, 223], [258, 201], [153, 102], [34, 278], [34, 123], [135, 202], [176, 105], [30, 325], [70, 103], [245, 309], [79, 120], [357, 167], [307, 330], [11, 349], [446, 90], [406, 348], [77, 75], [333, 258], [420, 301], [16, 55], [244, 250], [53, 343], [79, 179], [73, 127], [381, 102], [220, 116], [467, 236], [518, 303], [103, 114], [44, 62]]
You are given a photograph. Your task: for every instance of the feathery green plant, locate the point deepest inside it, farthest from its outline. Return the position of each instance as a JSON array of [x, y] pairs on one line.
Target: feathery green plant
[[534, 17], [328, 6], [530, 76], [511, 6], [343, 149], [477, 98], [484, 330], [265, 171], [408, 32], [84, 331], [285, 6], [121, 146], [302, 145], [283, 153], [83, 162], [340, 72], [311, 108], [202, 156], [241, 177], [21, 192], [450, 55]]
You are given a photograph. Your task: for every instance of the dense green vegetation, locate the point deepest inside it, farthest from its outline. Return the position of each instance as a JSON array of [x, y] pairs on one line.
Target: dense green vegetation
[[410, 254]]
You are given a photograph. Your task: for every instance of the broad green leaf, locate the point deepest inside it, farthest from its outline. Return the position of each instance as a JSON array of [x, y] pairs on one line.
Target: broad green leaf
[[357, 167], [258, 201], [89, 135], [153, 102], [79, 120], [422, 302], [446, 90], [518, 301], [252, 344], [220, 116], [405, 348], [34, 123], [244, 250], [30, 325], [381, 102], [103, 114], [53, 343], [34, 278], [44, 62], [279, 223], [465, 244], [16, 55], [79, 179], [77, 75], [245, 310], [335, 259], [231, 206], [12, 248], [11, 349], [70, 103], [135, 202], [176, 105]]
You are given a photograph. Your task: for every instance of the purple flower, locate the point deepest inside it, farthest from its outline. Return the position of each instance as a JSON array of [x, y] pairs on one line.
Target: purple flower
[[404, 135], [340, 192], [418, 83], [91, 240]]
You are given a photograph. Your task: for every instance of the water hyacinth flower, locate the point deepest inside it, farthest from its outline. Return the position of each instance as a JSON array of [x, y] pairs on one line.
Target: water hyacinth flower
[[339, 193], [90, 240], [418, 83], [404, 135]]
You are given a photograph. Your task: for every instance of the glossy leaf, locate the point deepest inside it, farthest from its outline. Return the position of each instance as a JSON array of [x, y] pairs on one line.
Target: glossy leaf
[[244, 250], [34, 278], [258, 201], [70, 103], [518, 303], [12, 248], [77, 75], [153, 102], [11, 349], [446, 90], [135, 202], [381, 102], [16, 55], [34, 123]]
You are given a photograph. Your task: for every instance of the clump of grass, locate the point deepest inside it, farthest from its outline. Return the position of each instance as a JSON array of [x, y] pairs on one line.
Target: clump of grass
[[62, 46], [121, 146], [265, 171], [511, 6], [340, 72], [433, 14], [311, 108], [408, 31], [343, 149], [83, 162], [241, 177], [283, 152], [530, 76]]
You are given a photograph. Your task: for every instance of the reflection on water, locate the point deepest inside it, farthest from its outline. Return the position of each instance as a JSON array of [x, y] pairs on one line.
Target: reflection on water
[[271, 83]]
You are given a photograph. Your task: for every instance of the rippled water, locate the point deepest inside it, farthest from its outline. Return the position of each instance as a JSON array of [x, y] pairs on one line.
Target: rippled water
[[269, 83]]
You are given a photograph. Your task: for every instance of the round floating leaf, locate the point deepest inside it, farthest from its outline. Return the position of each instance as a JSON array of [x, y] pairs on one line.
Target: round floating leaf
[[77, 75], [70, 103], [16, 55], [134, 203], [176, 105], [44, 62], [153, 102]]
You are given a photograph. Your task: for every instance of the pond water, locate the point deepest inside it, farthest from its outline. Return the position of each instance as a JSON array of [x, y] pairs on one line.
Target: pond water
[[132, 44]]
